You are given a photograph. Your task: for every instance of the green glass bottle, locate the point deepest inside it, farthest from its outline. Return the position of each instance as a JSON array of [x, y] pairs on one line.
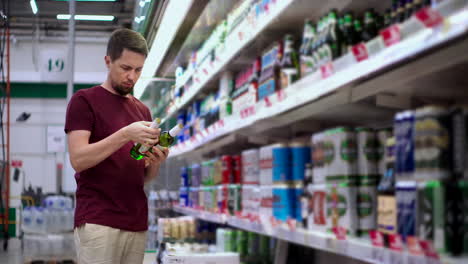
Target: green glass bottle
[[138, 151], [387, 18], [335, 35], [167, 138], [370, 26], [290, 68], [358, 29]]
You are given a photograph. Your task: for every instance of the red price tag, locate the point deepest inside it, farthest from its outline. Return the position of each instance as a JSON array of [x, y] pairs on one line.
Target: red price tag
[[391, 35], [376, 238], [396, 243], [205, 71], [291, 224], [340, 232], [429, 17], [327, 70], [281, 95], [240, 35], [414, 246], [360, 52], [429, 249]]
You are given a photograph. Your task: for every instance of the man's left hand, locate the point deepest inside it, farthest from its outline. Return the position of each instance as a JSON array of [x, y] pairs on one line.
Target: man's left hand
[[157, 157]]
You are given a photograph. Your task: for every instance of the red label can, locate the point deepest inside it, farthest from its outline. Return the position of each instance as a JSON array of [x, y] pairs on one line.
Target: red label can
[[227, 170], [237, 169]]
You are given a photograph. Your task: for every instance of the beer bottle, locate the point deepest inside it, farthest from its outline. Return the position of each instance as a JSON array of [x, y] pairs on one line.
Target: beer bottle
[[417, 4], [307, 36], [335, 35], [351, 37], [167, 138], [387, 18], [393, 14], [289, 63], [358, 30], [370, 26], [401, 11], [138, 151]]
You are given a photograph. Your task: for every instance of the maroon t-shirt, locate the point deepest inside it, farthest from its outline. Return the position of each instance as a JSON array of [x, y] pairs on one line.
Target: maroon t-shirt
[[110, 193]]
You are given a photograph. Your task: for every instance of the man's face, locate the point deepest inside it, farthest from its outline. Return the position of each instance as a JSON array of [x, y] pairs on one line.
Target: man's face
[[125, 71]]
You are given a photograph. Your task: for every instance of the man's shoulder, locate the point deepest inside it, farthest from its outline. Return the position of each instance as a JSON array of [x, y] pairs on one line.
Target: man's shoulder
[[89, 91]]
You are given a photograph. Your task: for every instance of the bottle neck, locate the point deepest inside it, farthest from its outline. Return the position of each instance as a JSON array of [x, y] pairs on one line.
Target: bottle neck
[[175, 130]]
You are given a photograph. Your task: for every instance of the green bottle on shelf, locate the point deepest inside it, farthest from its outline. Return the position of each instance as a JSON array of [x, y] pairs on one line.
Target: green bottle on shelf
[[137, 152], [167, 138]]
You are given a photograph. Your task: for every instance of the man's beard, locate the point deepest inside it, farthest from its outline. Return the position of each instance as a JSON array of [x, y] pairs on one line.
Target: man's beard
[[122, 90]]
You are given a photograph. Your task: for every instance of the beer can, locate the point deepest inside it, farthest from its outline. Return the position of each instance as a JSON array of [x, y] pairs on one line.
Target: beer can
[[227, 170], [194, 197], [342, 206], [266, 201], [196, 175], [459, 144], [318, 215], [367, 205], [184, 196], [367, 152], [406, 194], [297, 190], [266, 165], [222, 198], [318, 158], [404, 134], [217, 171], [237, 166], [282, 170], [242, 246], [250, 200], [264, 247], [184, 176], [281, 202], [456, 224], [340, 152], [432, 154], [234, 202], [250, 166], [300, 154], [382, 137], [253, 246], [201, 197], [220, 240], [387, 214]]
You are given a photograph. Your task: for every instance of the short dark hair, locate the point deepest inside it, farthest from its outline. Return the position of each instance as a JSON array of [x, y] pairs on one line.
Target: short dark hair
[[126, 39]]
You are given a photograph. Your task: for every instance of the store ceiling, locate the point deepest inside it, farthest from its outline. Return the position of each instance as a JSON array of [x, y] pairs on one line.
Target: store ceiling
[[24, 22]]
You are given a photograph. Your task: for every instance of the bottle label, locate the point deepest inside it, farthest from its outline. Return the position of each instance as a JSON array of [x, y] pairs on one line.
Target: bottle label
[[327, 70], [143, 149]]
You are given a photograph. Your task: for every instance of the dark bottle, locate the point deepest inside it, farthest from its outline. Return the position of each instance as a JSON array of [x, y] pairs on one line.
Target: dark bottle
[[427, 3], [290, 69], [387, 18], [351, 38], [393, 14], [335, 35], [401, 11], [341, 25], [358, 30], [417, 4], [409, 9], [308, 64], [370, 26]]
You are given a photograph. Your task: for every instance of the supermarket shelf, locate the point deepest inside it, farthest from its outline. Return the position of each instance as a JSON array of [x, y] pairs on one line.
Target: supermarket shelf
[[356, 248], [345, 95], [284, 15]]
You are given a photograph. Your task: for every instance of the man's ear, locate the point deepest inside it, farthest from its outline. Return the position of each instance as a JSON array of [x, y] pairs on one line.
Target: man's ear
[[107, 59]]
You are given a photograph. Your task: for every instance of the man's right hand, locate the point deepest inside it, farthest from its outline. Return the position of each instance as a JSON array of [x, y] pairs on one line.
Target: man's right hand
[[140, 132]]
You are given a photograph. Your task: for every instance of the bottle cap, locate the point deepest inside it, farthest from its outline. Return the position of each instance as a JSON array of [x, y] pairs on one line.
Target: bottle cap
[[176, 130]]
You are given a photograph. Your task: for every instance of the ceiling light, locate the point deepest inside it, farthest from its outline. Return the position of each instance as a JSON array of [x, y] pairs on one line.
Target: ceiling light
[[86, 17], [33, 6]]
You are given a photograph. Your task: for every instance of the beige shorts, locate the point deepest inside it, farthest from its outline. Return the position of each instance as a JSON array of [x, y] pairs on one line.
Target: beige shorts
[[97, 244]]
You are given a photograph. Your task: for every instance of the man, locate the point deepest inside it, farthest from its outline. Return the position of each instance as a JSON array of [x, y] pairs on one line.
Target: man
[[102, 124]]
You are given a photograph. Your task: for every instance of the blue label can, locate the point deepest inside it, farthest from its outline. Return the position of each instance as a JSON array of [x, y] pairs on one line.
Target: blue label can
[[184, 177], [282, 171], [406, 195], [404, 134], [300, 157], [196, 175], [184, 196], [296, 192], [281, 202]]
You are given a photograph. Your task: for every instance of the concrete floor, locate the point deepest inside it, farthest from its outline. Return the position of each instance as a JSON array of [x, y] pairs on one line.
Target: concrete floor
[[14, 255]]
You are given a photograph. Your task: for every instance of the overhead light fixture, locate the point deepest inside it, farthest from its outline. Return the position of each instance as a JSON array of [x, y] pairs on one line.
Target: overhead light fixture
[[33, 6], [86, 17]]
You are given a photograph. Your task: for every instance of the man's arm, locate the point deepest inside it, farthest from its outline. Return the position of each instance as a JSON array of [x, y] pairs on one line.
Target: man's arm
[[84, 155]]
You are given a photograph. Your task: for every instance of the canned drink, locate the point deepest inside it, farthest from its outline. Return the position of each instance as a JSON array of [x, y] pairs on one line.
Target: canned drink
[[318, 215], [282, 169], [237, 166], [233, 240], [266, 165], [460, 142], [387, 214], [266, 201], [184, 230], [228, 243], [300, 154], [194, 197], [456, 224], [210, 199], [433, 128], [297, 191], [404, 134], [281, 202], [382, 137], [264, 248], [196, 175], [367, 154], [184, 176], [367, 205], [201, 197], [250, 200], [242, 246], [220, 240], [228, 170], [234, 202], [223, 197], [406, 193], [184, 196], [250, 166], [340, 152], [341, 208], [217, 171], [318, 158], [253, 246]]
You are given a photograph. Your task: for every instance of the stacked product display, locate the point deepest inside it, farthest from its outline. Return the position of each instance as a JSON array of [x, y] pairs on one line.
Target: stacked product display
[[48, 229], [187, 239], [159, 205], [409, 182]]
